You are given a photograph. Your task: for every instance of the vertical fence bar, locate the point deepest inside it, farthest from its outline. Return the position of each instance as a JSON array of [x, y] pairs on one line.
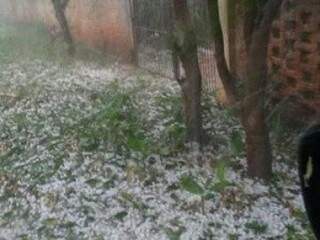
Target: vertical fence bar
[[135, 50], [175, 59]]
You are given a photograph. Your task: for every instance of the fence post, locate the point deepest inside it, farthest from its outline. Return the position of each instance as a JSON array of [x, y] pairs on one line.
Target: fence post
[[175, 59], [135, 36]]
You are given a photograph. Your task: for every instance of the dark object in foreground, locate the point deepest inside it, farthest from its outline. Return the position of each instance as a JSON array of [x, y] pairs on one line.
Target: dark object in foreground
[[309, 174]]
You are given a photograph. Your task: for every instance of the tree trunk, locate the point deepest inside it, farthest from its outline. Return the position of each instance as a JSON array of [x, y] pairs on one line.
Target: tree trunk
[[185, 47], [191, 93], [259, 154], [258, 147], [226, 78], [60, 7]]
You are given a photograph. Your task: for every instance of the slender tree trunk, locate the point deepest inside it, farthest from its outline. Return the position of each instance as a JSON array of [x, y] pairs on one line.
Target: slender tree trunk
[[60, 7], [185, 47], [191, 93], [259, 154]]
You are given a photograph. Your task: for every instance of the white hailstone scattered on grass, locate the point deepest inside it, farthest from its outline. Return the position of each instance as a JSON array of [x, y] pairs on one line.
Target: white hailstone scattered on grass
[[154, 208]]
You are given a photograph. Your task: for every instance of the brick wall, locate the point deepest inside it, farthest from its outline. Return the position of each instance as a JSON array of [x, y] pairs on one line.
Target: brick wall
[[294, 53]]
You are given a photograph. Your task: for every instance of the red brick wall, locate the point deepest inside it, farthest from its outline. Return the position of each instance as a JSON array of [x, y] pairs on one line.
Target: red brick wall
[[294, 53]]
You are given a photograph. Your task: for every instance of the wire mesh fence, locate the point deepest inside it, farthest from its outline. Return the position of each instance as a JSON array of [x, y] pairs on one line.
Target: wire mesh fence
[[153, 23]]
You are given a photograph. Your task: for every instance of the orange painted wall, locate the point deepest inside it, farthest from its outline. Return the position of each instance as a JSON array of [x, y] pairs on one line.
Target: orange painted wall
[[105, 24]]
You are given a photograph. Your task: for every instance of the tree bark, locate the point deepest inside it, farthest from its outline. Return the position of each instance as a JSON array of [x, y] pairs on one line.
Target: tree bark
[[59, 8], [259, 154], [227, 79], [258, 147], [185, 47]]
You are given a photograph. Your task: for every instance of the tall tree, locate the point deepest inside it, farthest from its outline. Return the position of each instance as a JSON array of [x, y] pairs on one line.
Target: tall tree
[[186, 49], [252, 98], [60, 12]]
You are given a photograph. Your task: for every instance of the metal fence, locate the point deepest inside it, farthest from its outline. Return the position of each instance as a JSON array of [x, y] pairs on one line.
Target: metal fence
[[153, 23]]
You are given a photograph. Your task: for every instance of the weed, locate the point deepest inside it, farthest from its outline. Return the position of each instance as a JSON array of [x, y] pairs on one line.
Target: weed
[[172, 138], [257, 227], [115, 124], [236, 143], [221, 182]]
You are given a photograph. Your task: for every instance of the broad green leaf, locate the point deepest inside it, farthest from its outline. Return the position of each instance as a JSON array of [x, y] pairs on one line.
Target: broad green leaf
[[221, 171], [50, 222], [120, 215], [190, 185]]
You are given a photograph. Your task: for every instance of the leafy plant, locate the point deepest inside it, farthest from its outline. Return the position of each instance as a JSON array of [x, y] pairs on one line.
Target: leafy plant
[[133, 201], [222, 182], [120, 215], [256, 227], [173, 135], [295, 234], [174, 234], [189, 184], [236, 143], [116, 124]]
